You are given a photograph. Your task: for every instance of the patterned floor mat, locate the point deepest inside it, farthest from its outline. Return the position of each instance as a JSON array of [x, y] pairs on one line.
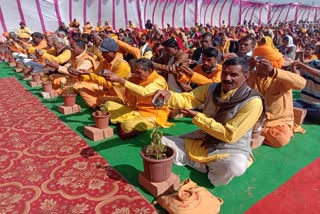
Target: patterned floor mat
[[45, 167]]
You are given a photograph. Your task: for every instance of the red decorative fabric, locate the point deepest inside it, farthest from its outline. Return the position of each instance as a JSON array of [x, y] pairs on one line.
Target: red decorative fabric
[[300, 194], [42, 170]]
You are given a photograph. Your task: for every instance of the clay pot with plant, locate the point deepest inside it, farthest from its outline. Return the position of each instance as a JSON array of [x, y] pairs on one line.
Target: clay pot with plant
[[11, 59], [8, 54], [2, 54], [36, 77], [26, 70], [157, 158], [47, 86], [46, 83], [101, 118], [19, 65], [69, 95]]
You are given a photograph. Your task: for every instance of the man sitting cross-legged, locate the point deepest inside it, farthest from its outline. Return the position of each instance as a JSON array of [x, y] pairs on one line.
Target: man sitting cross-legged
[[221, 146], [96, 90], [137, 112], [79, 60]]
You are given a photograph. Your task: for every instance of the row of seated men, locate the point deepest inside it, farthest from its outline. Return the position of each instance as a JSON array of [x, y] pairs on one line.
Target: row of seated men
[[246, 89]]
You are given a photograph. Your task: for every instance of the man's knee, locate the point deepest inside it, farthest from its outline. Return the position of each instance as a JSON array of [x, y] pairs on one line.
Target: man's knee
[[226, 171], [237, 167], [137, 124]]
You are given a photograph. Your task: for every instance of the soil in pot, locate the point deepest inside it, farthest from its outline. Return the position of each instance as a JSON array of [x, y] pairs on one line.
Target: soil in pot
[[47, 86], [101, 119], [36, 77], [158, 170], [69, 99]]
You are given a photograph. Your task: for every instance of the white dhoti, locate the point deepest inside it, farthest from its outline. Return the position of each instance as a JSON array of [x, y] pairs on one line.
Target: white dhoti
[[220, 172]]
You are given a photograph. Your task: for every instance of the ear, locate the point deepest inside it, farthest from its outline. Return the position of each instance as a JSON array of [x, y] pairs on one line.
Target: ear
[[246, 76]]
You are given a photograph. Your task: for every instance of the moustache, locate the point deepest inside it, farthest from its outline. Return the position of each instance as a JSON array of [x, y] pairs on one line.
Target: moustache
[[226, 82]]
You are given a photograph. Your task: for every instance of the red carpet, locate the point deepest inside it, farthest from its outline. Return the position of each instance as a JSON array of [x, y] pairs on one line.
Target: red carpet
[[300, 194], [41, 168]]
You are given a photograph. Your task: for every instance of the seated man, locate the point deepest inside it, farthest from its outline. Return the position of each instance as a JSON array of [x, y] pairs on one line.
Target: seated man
[[127, 49], [308, 54], [96, 90], [87, 28], [268, 52], [38, 42], [168, 62], [310, 98], [207, 72], [138, 113], [247, 44], [23, 28], [14, 45], [79, 60], [60, 53], [94, 49], [145, 49], [221, 147], [276, 85], [74, 24]]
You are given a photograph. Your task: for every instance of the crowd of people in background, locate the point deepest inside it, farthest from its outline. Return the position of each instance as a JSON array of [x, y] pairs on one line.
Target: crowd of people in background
[[235, 82]]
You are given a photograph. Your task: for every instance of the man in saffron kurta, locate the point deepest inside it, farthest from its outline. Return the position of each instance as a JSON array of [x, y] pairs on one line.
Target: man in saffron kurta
[[276, 86], [107, 27], [38, 42], [96, 90], [268, 52], [94, 49], [207, 72], [87, 28], [15, 46], [79, 60], [221, 146], [125, 48], [23, 29], [60, 53], [137, 112]]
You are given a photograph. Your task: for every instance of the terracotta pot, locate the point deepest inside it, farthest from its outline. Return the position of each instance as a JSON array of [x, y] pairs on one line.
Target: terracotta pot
[[36, 77], [18, 64], [47, 86], [158, 170], [69, 100], [26, 70], [7, 55], [101, 119], [11, 59]]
